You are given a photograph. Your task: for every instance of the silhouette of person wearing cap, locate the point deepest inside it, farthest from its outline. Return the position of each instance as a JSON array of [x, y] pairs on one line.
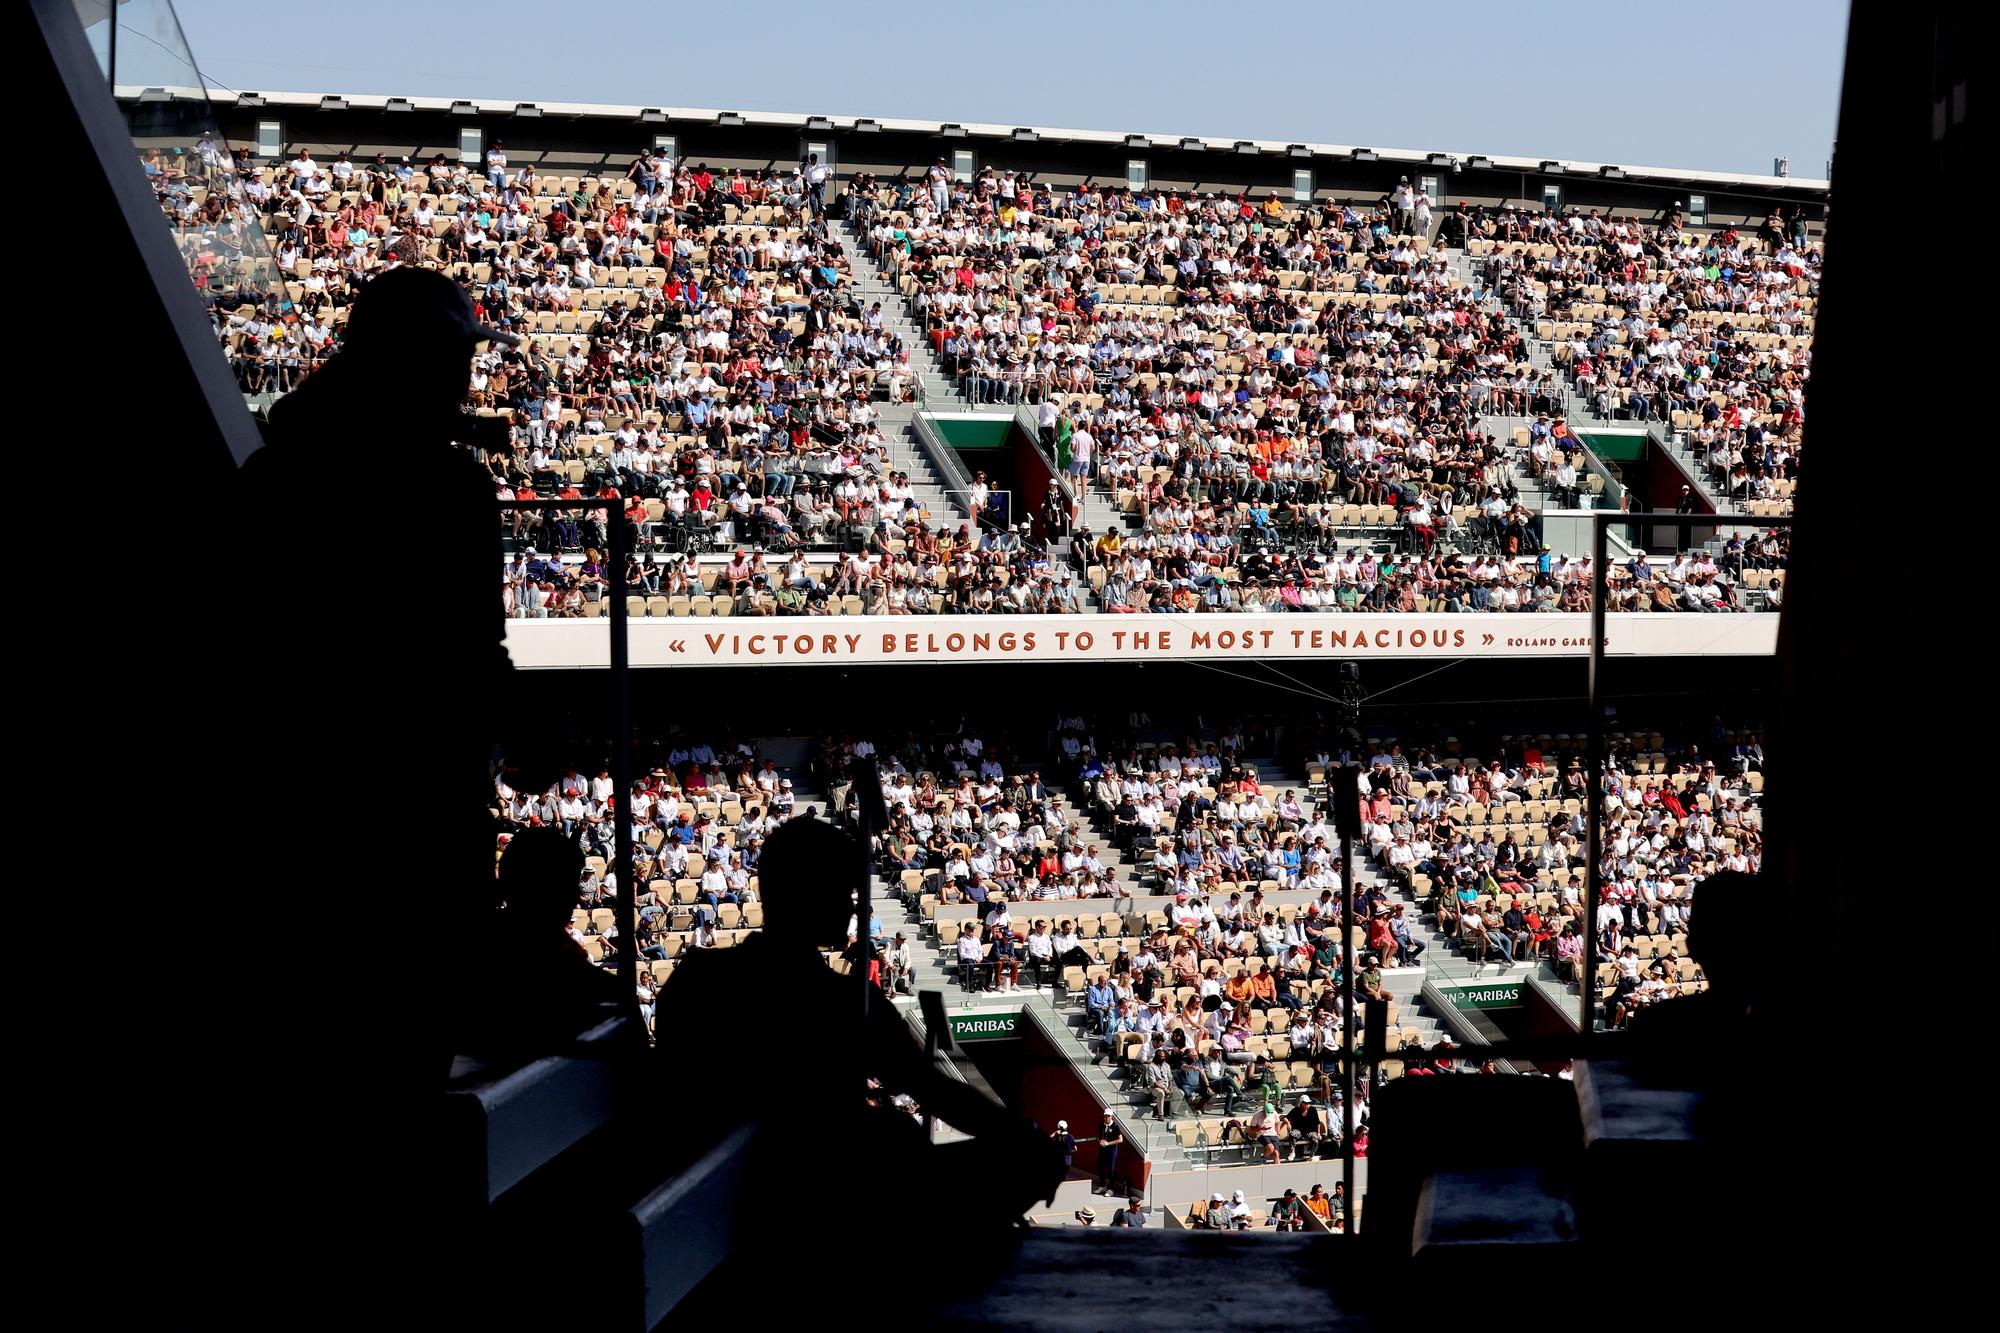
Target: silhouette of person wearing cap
[[360, 687], [419, 657], [838, 1074]]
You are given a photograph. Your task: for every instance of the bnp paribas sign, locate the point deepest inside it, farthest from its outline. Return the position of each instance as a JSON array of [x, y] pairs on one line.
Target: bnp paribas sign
[[985, 1027], [1492, 995]]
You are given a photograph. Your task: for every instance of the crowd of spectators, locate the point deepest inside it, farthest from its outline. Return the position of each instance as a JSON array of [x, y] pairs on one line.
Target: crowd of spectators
[[1356, 578], [1707, 332], [1240, 354], [1006, 570], [931, 571], [1264, 386], [692, 347], [1494, 850], [1489, 850], [975, 822]]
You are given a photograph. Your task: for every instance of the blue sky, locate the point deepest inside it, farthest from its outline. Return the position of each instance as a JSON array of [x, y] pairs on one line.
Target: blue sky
[[1709, 84]]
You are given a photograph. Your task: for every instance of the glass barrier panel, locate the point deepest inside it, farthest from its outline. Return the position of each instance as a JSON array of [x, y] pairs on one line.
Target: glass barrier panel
[[215, 200]]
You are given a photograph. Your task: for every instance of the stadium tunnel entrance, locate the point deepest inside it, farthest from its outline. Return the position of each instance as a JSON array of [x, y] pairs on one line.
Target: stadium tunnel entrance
[[1000, 1064]]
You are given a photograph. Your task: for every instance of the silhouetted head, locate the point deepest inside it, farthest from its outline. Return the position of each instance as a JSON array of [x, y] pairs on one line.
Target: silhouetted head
[[416, 328], [807, 877], [539, 873], [1722, 929]]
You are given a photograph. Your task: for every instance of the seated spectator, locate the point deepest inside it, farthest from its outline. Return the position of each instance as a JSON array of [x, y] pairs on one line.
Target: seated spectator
[[808, 911], [1307, 1129], [545, 989]]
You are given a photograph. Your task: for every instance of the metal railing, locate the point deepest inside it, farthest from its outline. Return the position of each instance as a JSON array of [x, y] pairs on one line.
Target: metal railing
[[942, 456]]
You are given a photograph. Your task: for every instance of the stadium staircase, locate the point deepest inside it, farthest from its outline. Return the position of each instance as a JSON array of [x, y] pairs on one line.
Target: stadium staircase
[[1532, 493], [907, 456], [1101, 512], [1157, 1140], [1577, 408], [937, 391], [1406, 984], [1697, 472], [1163, 1142]]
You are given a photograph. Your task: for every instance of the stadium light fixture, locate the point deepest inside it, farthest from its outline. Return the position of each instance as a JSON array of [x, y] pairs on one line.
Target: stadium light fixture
[[1479, 162], [729, 119], [527, 110], [399, 104], [1192, 145], [332, 103], [1023, 134], [1247, 147], [1137, 141], [818, 123], [250, 100], [652, 115], [1440, 160], [1365, 155], [1612, 173], [1551, 167], [1298, 150], [952, 131], [868, 126], [463, 108], [154, 95]]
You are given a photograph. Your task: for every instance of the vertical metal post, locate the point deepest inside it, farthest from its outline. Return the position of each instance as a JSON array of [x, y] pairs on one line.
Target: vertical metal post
[[111, 56], [1348, 1112], [627, 904], [864, 796], [937, 1035], [1593, 764], [864, 908], [864, 901], [930, 1062]]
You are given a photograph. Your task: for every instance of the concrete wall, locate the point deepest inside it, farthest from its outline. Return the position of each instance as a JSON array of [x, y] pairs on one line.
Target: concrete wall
[[1258, 1183]]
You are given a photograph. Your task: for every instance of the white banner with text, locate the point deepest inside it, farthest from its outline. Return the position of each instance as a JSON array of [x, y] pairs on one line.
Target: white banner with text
[[888, 640]]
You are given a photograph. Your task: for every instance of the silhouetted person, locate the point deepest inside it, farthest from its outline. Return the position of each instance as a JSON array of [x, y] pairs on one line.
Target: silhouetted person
[[372, 561], [1722, 940], [359, 675], [366, 516], [775, 989], [543, 989]]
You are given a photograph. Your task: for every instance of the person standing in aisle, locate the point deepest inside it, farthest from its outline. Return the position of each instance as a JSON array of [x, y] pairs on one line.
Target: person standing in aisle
[[1110, 1138]]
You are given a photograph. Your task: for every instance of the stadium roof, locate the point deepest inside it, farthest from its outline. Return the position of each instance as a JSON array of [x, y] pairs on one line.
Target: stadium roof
[[830, 124]]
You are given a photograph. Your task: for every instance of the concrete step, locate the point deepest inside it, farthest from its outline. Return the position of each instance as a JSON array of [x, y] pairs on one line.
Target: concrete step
[[873, 285]]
